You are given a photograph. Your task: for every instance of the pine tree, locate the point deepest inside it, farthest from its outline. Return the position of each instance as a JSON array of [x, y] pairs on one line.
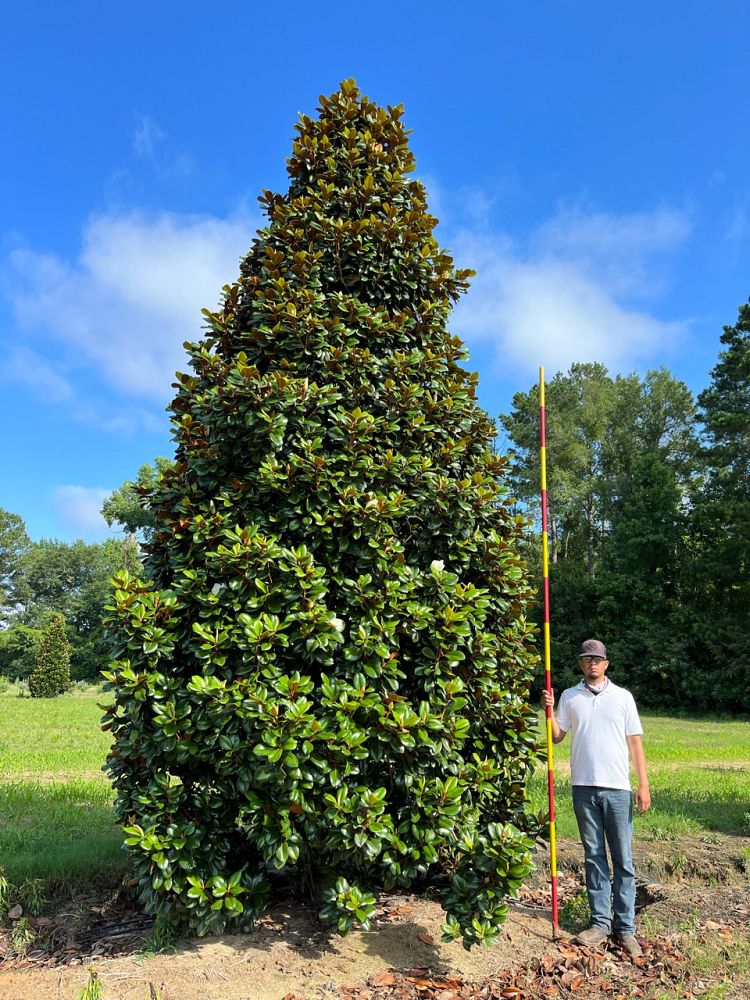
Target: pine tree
[[51, 675], [719, 569], [327, 669]]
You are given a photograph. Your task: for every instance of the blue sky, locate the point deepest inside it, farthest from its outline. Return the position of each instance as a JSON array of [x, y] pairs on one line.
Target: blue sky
[[590, 160]]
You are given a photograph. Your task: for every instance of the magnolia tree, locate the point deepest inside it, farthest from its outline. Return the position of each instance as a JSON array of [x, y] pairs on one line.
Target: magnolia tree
[[51, 674], [327, 667]]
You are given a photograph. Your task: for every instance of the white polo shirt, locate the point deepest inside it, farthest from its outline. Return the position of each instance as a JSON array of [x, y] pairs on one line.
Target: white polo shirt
[[599, 725]]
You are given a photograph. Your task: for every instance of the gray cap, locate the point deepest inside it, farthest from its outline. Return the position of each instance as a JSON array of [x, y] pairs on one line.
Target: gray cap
[[592, 647]]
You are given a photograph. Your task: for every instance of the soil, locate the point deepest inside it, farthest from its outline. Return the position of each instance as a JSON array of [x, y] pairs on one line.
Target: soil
[[696, 888]]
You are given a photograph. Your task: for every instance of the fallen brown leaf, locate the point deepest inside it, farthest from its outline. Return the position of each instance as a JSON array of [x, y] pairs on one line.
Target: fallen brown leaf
[[383, 979], [426, 938], [572, 980]]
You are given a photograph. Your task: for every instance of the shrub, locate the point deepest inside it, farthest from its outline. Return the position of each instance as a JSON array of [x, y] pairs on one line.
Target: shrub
[[327, 670], [51, 675]]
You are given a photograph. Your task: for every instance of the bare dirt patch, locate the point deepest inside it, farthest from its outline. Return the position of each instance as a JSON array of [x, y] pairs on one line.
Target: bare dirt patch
[[289, 952], [292, 955]]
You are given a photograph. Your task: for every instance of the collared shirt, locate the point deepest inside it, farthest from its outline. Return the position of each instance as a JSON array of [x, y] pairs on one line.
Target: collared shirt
[[599, 725]]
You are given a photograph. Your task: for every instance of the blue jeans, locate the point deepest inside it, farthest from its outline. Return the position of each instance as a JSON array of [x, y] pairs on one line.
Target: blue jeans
[[607, 814]]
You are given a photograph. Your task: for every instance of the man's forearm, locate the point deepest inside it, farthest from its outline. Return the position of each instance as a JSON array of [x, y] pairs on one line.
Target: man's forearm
[[639, 760], [558, 735], [643, 795]]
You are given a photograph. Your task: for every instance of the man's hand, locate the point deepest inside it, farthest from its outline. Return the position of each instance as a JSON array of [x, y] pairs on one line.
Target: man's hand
[[547, 698], [643, 799]]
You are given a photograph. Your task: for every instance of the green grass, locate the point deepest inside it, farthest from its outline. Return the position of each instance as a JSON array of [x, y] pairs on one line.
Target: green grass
[[61, 832], [55, 803], [52, 738], [699, 772]]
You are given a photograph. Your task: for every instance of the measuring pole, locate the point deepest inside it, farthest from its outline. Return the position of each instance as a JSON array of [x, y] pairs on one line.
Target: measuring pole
[[547, 657]]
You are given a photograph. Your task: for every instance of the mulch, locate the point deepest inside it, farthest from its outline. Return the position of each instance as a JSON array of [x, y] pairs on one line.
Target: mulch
[[575, 972], [82, 933]]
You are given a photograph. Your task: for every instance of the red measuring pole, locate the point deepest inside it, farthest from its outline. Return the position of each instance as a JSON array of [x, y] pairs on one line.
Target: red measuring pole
[[547, 657]]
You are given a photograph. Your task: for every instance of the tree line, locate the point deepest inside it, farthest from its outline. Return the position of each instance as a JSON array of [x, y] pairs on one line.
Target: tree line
[[41, 581], [649, 523]]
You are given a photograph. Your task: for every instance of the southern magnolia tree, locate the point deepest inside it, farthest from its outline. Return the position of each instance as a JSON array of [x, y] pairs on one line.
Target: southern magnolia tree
[[51, 675], [328, 666]]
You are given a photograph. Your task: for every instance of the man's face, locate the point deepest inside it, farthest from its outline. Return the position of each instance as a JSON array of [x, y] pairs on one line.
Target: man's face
[[594, 668]]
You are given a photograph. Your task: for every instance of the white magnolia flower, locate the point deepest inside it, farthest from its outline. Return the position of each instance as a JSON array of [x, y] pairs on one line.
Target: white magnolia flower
[[437, 565]]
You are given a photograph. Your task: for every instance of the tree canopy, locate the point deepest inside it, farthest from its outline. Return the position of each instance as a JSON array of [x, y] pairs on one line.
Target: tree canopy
[[649, 521], [14, 544], [328, 665], [128, 507]]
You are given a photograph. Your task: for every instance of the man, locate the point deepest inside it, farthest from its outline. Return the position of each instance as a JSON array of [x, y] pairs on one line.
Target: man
[[605, 728]]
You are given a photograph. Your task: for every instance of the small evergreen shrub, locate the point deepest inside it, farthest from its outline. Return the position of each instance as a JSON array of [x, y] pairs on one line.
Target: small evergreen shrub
[[327, 668], [51, 675]]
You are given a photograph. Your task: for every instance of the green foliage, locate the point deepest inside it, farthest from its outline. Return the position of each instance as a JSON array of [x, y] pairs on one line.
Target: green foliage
[[129, 507], [349, 905], [622, 458], [575, 914], [54, 578], [327, 670], [93, 989], [14, 543], [51, 675], [31, 896], [4, 896], [21, 937], [163, 938], [718, 577], [18, 649]]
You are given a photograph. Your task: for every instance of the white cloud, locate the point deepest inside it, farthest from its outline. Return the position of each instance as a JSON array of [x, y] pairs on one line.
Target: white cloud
[[78, 508], [152, 144], [133, 295], [126, 422], [739, 225], [618, 249], [577, 290], [147, 136], [23, 366], [581, 287]]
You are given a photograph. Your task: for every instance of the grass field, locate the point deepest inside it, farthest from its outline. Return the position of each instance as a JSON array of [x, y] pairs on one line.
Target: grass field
[[55, 802], [699, 772]]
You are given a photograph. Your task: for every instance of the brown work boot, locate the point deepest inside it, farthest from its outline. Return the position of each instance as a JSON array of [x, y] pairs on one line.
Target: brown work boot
[[629, 945], [593, 937]]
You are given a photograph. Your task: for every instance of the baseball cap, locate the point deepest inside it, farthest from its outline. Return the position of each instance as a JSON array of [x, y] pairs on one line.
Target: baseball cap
[[592, 647]]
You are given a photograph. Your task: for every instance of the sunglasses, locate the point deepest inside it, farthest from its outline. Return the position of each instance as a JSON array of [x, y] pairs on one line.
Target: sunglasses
[[591, 659]]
